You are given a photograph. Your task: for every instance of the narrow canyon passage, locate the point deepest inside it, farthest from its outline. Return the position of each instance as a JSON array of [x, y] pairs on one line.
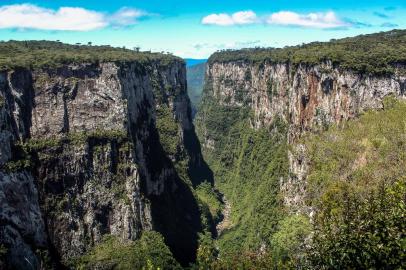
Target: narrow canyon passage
[[225, 223]]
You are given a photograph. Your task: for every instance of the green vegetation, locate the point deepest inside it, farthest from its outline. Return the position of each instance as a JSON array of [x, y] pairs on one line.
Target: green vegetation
[[24, 151], [2, 101], [38, 144], [288, 243], [248, 171], [206, 194], [20, 160], [39, 54], [357, 184], [248, 165], [206, 253], [168, 129], [356, 187], [374, 53], [17, 165], [216, 119], [3, 252], [149, 253]]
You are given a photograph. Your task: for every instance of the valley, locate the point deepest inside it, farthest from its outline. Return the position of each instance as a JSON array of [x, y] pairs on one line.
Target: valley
[[289, 158]]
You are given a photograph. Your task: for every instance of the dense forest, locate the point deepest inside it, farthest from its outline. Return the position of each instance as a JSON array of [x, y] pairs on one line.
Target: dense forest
[[375, 53], [356, 181], [355, 191], [35, 54]]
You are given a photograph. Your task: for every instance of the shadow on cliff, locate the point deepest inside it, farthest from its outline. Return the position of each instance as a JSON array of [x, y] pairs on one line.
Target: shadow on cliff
[[175, 212], [199, 171]]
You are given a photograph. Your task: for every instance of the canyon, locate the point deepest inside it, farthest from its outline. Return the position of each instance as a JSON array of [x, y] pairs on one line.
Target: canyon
[[307, 98], [95, 153]]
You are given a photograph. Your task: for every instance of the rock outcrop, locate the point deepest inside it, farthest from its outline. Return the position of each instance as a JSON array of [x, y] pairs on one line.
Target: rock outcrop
[[307, 97], [82, 156]]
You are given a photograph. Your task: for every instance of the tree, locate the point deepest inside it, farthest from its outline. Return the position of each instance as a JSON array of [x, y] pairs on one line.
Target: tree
[[206, 253]]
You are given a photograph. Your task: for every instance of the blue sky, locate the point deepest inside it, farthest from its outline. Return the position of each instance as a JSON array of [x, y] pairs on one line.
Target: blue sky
[[197, 28]]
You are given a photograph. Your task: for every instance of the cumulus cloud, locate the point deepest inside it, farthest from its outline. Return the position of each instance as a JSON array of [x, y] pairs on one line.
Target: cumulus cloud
[[288, 18], [127, 16], [313, 20], [28, 16], [238, 18]]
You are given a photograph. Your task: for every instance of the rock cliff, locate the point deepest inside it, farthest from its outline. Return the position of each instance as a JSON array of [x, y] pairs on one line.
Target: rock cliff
[[92, 149], [307, 97]]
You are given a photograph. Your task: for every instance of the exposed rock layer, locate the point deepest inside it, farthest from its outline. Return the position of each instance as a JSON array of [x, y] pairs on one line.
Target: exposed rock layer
[[308, 98], [82, 157]]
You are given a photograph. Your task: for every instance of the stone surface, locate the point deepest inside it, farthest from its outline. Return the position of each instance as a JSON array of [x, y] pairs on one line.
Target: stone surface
[[308, 98], [98, 167]]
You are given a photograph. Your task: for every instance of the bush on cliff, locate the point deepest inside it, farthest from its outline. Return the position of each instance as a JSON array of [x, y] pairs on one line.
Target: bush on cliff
[[149, 252], [357, 185]]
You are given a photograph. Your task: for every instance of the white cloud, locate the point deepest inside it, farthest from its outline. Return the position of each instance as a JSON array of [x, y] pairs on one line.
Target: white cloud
[[65, 18], [244, 17], [28, 16], [127, 16], [238, 18], [288, 18], [314, 20]]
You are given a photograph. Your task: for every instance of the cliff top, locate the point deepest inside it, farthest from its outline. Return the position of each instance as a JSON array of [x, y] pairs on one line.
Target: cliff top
[[373, 53], [38, 54]]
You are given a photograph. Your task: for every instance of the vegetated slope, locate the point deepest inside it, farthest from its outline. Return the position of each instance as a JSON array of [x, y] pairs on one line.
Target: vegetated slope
[[97, 150], [373, 53], [247, 165], [256, 106], [195, 81], [357, 186]]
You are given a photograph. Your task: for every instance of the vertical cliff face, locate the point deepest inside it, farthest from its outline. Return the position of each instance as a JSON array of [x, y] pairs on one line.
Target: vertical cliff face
[[95, 149], [307, 97]]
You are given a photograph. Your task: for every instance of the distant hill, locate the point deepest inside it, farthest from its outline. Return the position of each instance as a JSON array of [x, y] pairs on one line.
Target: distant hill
[[195, 81], [191, 62]]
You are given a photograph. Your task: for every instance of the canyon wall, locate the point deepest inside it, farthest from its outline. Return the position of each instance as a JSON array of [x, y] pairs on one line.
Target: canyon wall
[[306, 97], [84, 152]]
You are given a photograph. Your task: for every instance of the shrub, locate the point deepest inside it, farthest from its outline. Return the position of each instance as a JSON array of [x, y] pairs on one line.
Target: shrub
[[149, 252], [206, 194], [168, 129], [288, 243], [357, 186]]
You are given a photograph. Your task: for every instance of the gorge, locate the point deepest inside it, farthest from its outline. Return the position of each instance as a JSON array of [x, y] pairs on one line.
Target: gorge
[[102, 168]]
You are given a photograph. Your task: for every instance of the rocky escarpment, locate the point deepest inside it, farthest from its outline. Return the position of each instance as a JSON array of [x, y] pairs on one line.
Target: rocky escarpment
[[306, 97], [93, 149]]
